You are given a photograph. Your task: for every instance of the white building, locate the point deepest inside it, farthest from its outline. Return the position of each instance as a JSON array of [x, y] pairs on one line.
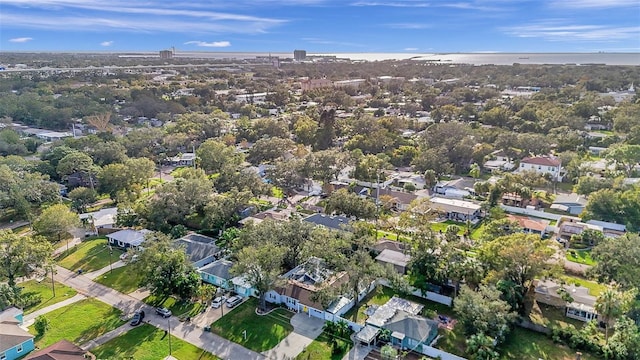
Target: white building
[[542, 165]]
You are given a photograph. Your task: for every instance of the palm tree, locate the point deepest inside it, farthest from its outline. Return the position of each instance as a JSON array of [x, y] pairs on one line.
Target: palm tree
[[609, 304]]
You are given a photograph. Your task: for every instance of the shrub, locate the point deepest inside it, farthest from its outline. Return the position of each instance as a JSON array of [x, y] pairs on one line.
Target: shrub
[[41, 324]]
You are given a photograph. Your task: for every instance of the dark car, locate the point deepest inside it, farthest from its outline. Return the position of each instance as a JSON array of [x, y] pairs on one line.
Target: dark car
[[137, 318], [164, 312]]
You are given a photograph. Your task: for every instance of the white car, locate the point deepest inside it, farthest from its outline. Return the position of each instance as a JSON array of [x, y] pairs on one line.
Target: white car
[[217, 302], [124, 256], [233, 301]]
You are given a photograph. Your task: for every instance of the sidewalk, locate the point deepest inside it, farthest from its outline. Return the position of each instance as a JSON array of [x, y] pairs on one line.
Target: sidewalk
[[94, 274], [305, 329], [106, 337], [30, 318], [188, 332]]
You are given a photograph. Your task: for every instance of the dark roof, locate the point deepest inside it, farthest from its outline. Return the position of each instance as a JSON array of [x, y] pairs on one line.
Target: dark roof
[[197, 251], [219, 268], [337, 222], [384, 244], [412, 326], [198, 238], [542, 161], [62, 350]]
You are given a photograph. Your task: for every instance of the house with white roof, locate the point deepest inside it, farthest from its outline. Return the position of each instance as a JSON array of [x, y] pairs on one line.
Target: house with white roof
[[104, 218], [456, 210], [127, 238]]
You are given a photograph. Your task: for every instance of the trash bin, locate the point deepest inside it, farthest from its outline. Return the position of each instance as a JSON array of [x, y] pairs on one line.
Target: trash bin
[[207, 328]]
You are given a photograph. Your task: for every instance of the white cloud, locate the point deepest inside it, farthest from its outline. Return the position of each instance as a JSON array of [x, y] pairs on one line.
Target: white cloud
[[595, 4], [410, 49], [555, 31], [209, 44], [20, 40], [106, 43]]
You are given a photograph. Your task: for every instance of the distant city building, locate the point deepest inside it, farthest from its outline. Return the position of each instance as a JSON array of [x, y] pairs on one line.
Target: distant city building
[[299, 55], [310, 84], [166, 54]]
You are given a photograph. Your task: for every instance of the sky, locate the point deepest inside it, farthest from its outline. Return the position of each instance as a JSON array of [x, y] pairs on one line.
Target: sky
[[329, 26]]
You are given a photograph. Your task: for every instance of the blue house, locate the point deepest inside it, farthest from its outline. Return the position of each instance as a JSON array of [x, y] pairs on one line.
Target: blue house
[[218, 273], [15, 342]]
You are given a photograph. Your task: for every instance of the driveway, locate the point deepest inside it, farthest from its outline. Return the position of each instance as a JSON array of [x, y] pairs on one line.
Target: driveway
[[305, 329], [188, 332]]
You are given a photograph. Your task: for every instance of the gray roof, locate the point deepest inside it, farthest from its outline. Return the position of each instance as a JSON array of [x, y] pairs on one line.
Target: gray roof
[[198, 238], [394, 257], [389, 309], [336, 222], [219, 268], [367, 333], [579, 294], [129, 236], [413, 326], [608, 225], [197, 251], [11, 334], [105, 216]]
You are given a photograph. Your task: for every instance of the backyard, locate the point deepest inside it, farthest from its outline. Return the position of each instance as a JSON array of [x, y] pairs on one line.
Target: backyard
[[381, 295], [44, 290], [147, 342], [594, 288], [77, 322], [580, 257], [263, 332], [546, 315], [177, 307], [122, 279], [90, 255], [523, 344], [320, 349], [442, 226]]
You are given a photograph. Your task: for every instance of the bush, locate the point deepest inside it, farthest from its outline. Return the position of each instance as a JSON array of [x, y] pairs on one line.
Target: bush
[[41, 324]]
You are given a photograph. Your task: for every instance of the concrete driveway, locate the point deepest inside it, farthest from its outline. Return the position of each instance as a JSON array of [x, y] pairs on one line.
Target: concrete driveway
[[305, 329]]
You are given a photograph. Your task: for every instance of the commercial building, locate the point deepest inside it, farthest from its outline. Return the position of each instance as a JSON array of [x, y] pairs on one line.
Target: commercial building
[[299, 55]]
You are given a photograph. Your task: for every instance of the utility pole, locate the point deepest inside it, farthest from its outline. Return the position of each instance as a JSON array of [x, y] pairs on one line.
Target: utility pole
[[110, 262], [169, 327], [53, 284]]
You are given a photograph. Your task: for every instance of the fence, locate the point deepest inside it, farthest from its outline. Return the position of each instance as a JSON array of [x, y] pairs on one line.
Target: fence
[[435, 353], [534, 213], [435, 297]]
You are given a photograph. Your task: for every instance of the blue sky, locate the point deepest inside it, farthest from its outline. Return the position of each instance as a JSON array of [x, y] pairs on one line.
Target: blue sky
[[395, 26]]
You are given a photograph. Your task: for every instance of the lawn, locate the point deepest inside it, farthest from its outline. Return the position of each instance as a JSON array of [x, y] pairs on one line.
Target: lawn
[[90, 255], [321, 349], [79, 322], [442, 226], [580, 257], [381, 295], [147, 342], [43, 288], [523, 344], [549, 316], [178, 308], [121, 279], [478, 231], [595, 288], [393, 236], [262, 332]]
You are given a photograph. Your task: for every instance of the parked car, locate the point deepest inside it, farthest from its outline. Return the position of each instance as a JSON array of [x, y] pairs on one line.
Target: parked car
[[137, 318], [164, 312], [124, 256], [233, 301], [217, 302]]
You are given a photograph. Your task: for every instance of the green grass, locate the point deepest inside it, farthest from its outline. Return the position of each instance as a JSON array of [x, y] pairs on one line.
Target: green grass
[[263, 332], [595, 288], [393, 236], [381, 295], [277, 192], [90, 255], [320, 349], [122, 279], [442, 226], [43, 288], [147, 342], [581, 257], [178, 308], [79, 322], [523, 344], [478, 232], [549, 316]]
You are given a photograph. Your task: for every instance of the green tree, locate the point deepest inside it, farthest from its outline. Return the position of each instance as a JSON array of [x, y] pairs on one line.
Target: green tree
[[22, 256], [361, 270], [618, 259], [610, 304], [345, 202], [81, 197], [269, 150], [475, 171], [41, 325], [483, 312], [213, 155], [74, 162], [480, 347], [305, 130], [55, 222], [624, 344], [626, 156], [261, 266], [430, 178]]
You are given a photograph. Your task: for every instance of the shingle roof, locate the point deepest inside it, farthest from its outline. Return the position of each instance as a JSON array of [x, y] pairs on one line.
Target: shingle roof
[[197, 251], [11, 334], [394, 257], [62, 350], [412, 326], [542, 161], [336, 222], [219, 268], [129, 236]]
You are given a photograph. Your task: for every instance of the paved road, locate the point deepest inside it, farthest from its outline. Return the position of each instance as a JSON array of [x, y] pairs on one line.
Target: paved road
[[305, 329], [188, 332]]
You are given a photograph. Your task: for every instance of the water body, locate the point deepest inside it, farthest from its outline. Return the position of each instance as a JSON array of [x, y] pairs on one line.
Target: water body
[[452, 58]]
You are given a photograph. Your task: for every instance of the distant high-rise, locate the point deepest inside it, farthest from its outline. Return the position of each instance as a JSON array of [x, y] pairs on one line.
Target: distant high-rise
[[299, 55], [166, 54]]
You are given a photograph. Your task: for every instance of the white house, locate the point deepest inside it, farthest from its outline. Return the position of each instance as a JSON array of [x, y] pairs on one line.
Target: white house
[[127, 238], [542, 165], [104, 218]]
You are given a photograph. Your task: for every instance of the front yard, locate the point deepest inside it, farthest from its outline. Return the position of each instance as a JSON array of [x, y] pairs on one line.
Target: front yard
[[122, 279], [580, 257], [45, 292], [178, 308], [263, 332], [147, 342], [79, 322], [320, 349], [90, 255]]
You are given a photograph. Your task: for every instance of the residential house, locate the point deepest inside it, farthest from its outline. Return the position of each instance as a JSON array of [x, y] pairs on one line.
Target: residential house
[[573, 203], [401, 317], [185, 159], [609, 229], [529, 225], [218, 273], [15, 342], [456, 210], [542, 165], [104, 218], [334, 222], [570, 228], [455, 189], [273, 214], [62, 350], [582, 306], [200, 249], [127, 238], [399, 260], [498, 161], [397, 200], [303, 282]]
